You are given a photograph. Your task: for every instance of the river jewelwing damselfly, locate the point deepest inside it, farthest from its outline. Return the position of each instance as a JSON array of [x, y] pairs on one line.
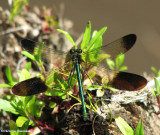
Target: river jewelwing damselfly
[[121, 80]]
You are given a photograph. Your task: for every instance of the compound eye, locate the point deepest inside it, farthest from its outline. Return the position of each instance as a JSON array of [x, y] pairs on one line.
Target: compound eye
[[72, 51], [79, 50]]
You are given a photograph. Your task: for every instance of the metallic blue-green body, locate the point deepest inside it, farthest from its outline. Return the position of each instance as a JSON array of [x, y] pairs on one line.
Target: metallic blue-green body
[[76, 59], [81, 90]]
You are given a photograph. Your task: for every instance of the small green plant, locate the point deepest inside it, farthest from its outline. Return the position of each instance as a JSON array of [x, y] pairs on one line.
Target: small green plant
[[18, 5], [50, 20], [116, 64], [156, 91], [156, 71], [28, 109], [126, 129]]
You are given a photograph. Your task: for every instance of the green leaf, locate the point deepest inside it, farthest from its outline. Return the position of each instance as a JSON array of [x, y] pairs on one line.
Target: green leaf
[[37, 54], [32, 108], [30, 56], [54, 92], [123, 68], [86, 36], [157, 85], [26, 100], [97, 35], [91, 52], [5, 85], [8, 74], [153, 92], [28, 66], [102, 57], [39, 57], [139, 129], [24, 75], [13, 127], [154, 70], [24, 128], [98, 43], [40, 105], [123, 126], [17, 7], [58, 81], [21, 120], [112, 89], [119, 60], [110, 63], [68, 36], [6, 106], [18, 105], [51, 78], [94, 87], [52, 104], [105, 85], [94, 49]]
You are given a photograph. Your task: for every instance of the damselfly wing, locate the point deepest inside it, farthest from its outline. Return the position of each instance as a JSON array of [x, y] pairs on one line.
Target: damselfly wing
[[121, 80]]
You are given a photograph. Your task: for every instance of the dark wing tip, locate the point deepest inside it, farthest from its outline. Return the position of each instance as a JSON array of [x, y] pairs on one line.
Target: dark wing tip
[[28, 45], [26, 42], [29, 87], [128, 81], [129, 40], [17, 90]]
